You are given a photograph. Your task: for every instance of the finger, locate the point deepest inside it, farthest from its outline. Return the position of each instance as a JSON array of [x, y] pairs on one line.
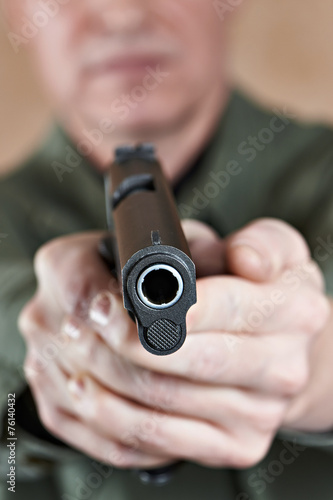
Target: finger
[[139, 434], [87, 352], [50, 376], [109, 317], [71, 273], [106, 315], [229, 304], [263, 249], [55, 408], [169, 392], [227, 406], [275, 364], [76, 433], [234, 305], [200, 346], [154, 432], [207, 248]]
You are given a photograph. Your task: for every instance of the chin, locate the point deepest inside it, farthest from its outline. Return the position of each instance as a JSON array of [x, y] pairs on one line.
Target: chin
[[135, 119], [134, 107]]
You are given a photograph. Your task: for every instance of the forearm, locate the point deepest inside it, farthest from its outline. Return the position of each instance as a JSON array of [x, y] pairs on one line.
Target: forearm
[[313, 409]]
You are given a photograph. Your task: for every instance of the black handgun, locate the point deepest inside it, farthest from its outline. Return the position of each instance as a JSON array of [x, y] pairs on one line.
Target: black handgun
[[147, 249]]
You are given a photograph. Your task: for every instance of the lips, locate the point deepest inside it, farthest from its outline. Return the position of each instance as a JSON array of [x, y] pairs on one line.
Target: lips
[[127, 64], [110, 58]]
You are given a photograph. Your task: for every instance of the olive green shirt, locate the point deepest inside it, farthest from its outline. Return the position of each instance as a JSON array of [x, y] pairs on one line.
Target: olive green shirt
[[259, 163]]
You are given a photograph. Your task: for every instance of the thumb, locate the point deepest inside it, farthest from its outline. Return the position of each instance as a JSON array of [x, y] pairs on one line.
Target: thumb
[[265, 248], [207, 248]]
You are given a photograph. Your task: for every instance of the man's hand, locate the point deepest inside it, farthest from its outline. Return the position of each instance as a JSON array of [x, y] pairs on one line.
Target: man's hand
[[217, 401]]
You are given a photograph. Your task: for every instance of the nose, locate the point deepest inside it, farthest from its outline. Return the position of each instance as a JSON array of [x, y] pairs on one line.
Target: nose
[[119, 16], [124, 19]]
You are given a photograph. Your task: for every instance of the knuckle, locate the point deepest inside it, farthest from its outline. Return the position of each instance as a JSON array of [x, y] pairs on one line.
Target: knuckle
[[77, 294], [215, 457], [205, 362], [238, 454], [50, 418], [236, 457], [312, 311], [319, 312], [268, 417], [250, 451], [316, 275], [48, 255], [215, 453], [79, 290], [148, 433], [35, 369], [30, 371], [88, 348], [24, 319], [158, 390], [291, 379], [145, 384], [263, 416], [119, 459], [30, 318], [249, 456], [120, 456]]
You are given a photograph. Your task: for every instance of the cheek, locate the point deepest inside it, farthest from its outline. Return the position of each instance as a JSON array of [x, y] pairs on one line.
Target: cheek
[[52, 65], [53, 53], [201, 34], [197, 19]]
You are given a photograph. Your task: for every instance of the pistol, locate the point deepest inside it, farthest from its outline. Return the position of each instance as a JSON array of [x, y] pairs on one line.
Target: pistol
[[147, 250]]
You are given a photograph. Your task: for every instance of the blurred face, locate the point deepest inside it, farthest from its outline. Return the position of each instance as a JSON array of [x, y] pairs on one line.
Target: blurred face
[[138, 63]]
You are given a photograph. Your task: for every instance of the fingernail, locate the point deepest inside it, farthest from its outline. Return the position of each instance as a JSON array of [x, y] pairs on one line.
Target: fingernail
[[71, 328], [76, 387], [249, 254], [100, 308], [82, 398]]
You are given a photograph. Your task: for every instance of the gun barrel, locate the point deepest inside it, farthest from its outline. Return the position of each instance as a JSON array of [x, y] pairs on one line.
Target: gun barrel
[[160, 286], [151, 253]]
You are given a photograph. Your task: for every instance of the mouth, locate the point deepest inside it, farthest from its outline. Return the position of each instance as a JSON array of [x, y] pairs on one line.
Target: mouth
[[124, 65], [105, 60]]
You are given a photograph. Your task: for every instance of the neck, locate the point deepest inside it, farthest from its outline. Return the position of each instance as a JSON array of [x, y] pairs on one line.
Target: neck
[[177, 145]]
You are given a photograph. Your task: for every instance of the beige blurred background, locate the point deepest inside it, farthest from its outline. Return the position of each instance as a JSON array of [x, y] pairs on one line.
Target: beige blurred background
[[280, 54]]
